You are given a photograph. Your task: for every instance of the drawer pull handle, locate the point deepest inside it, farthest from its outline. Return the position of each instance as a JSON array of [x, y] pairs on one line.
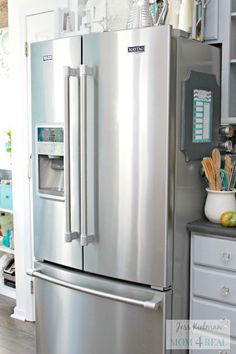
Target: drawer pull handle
[[225, 290], [223, 352], [226, 256]]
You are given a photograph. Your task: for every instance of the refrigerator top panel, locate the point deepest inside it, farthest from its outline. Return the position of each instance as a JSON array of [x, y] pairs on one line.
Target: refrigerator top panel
[[129, 155], [49, 98]]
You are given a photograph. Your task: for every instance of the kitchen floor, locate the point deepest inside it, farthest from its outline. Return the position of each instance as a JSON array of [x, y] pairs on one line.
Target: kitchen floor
[[16, 337]]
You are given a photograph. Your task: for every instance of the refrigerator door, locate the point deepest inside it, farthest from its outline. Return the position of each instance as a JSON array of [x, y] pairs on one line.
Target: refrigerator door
[[130, 158], [73, 322], [54, 96]]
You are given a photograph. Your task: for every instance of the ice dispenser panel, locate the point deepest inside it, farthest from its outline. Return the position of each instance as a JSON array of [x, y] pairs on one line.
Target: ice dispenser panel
[[50, 155]]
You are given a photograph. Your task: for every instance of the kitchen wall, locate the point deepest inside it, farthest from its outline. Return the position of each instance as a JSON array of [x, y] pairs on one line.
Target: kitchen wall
[[5, 120]]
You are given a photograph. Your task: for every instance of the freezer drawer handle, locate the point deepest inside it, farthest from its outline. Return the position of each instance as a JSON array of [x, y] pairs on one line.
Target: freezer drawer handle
[[152, 304]]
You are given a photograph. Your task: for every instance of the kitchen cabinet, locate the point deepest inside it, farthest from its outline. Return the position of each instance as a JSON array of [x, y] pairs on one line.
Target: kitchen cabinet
[[213, 276], [220, 29]]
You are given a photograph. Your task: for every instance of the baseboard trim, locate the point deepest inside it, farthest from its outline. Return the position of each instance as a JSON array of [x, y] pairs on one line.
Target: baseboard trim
[[19, 314]]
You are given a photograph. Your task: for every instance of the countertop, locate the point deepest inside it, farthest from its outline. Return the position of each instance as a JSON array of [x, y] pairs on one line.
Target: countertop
[[206, 227]]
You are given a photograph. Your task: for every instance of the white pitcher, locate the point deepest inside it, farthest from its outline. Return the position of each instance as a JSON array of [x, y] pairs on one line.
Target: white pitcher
[[218, 202], [173, 13]]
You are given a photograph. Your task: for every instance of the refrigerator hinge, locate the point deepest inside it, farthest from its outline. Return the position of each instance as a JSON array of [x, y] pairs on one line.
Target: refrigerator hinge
[[26, 49], [32, 286], [86, 239], [30, 167]]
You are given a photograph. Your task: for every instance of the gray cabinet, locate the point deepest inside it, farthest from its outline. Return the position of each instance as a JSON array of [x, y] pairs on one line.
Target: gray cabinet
[[211, 31], [220, 28], [213, 282]]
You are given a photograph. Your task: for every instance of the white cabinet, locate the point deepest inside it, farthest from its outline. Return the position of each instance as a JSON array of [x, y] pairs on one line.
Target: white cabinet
[[213, 282]]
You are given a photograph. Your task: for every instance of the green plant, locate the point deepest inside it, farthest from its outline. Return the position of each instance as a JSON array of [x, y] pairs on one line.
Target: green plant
[[8, 143]]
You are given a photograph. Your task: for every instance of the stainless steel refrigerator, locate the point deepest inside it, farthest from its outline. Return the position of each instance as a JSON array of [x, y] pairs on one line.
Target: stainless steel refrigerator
[[112, 192]]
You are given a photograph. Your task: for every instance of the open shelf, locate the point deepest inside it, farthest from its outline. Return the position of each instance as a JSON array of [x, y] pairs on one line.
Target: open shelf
[[233, 38], [8, 211], [7, 291], [6, 249], [232, 97]]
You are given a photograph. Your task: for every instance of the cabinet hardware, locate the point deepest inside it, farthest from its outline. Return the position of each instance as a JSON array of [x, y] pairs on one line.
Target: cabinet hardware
[[226, 256], [225, 290]]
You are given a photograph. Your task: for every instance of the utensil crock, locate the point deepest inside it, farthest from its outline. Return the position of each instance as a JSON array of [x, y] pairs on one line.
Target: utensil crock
[[218, 202]]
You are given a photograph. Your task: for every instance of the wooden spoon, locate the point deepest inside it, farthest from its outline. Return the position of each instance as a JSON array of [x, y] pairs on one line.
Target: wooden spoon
[[216, 157], [210, 172]]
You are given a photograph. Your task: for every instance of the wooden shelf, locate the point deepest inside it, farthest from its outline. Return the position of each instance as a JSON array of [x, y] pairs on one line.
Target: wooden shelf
[[6, 249]]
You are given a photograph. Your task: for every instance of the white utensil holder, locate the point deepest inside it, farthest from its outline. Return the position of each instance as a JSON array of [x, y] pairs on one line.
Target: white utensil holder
[[218, 202]]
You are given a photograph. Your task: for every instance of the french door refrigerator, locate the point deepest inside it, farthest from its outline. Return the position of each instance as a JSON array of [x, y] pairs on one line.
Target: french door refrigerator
[[111, 189]]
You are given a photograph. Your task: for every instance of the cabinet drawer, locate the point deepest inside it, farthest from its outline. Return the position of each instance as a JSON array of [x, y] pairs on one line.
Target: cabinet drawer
[[215, 285], [214, 252], [6, 197], [208, 310]]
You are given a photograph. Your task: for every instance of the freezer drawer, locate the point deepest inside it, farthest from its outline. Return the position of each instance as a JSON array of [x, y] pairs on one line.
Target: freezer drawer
[[73, 322]]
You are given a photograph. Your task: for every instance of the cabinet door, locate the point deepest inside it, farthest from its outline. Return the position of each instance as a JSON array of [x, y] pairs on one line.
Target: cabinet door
[[212, 21]]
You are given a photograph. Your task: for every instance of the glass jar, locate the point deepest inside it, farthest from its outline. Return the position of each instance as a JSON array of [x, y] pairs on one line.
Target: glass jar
[[117, 14]]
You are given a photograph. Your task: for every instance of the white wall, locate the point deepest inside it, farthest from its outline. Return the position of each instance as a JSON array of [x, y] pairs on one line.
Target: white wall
[[5, 119]]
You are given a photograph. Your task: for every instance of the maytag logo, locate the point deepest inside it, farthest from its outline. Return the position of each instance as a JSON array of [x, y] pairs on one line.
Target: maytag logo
[[47, 57], [136, 49]]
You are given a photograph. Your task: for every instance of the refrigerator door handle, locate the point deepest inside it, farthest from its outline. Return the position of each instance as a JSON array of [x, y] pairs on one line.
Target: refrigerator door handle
[[85, 239], [153, 304], [69, 234]]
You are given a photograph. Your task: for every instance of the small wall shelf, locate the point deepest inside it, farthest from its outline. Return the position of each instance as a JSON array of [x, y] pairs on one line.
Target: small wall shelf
[[6, 249]]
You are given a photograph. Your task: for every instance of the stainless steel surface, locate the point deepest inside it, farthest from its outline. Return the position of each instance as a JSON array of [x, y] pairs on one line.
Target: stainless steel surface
[[153, 304], [137, 190], [48, 60], [51, 175], [129, 156], [69, 234], [189, 191], [94, 325], [84, 238]]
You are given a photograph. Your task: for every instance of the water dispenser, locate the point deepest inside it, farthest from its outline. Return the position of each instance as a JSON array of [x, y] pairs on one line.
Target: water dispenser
[[50, 155]]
